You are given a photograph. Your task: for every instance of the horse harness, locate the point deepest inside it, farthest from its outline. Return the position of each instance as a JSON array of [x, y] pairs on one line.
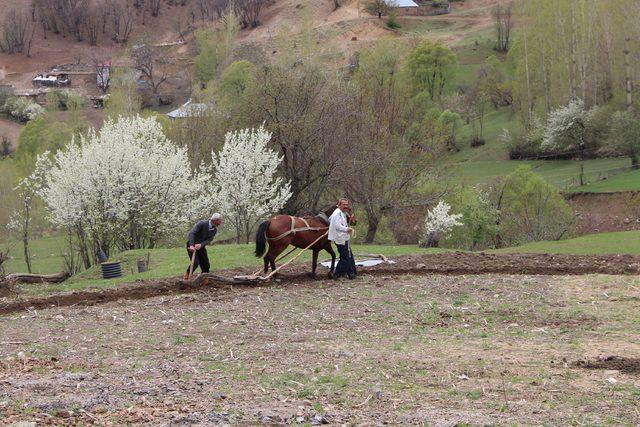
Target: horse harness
[[294, 230]]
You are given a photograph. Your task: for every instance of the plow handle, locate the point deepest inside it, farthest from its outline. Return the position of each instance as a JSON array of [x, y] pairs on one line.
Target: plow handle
[[193, 260]]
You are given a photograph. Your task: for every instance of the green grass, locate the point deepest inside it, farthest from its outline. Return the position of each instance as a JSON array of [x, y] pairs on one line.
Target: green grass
[[623, 242], [561, 173], [46, 252], [625, 181], [494, 123]]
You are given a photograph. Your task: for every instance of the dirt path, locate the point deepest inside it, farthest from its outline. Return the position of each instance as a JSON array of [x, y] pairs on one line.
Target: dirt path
[[458, 263]]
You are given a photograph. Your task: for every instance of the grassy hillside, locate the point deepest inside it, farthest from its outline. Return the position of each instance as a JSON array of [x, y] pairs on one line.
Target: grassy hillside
[[564, 174], [626, 181], [623, 242]]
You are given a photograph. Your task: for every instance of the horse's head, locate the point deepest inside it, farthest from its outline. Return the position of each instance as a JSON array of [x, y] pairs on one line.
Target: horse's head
[[347, 209], [351, 215]]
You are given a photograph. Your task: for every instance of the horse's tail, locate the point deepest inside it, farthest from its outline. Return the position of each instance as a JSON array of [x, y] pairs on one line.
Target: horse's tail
[[261, 238]]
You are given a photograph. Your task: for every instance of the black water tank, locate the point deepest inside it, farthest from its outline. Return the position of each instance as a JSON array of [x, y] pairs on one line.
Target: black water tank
[[111, 270]]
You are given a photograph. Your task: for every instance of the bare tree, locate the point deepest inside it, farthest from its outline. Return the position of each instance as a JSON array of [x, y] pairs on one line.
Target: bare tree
[[154, 7], [47, 17], [503, 15], [205, 7], [248, 12], [127, 25], [116, 12], [104, 16], [391, 154], [92, 24], [212, 9], [182, 27], [305, 109], [220, 7], [121, 21], [16, 33], [151, 62]]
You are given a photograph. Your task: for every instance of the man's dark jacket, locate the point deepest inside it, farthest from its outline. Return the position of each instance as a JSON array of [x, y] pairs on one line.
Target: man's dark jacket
[[203, 232]]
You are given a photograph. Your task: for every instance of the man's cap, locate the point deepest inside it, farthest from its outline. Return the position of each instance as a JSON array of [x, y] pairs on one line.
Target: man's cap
[[216, 216]]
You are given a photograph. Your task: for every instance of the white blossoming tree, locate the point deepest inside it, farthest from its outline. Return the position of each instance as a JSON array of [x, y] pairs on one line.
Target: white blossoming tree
[[246, 186], [568, 127], [438, 224], [126, 185]]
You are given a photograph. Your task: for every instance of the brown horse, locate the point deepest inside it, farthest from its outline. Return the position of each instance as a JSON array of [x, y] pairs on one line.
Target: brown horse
[[284, 230]]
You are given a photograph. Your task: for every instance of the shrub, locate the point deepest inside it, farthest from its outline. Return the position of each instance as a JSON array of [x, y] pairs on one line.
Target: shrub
[[23, 109], [392, 20], [62, 99], [530, 208], [625, 136], [5, 147], [476, 141], [479, 219]]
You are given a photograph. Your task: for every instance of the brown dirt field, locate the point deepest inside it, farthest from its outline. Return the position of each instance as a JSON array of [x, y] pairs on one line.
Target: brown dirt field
[[445, 263], [605, 212], [411, 350]]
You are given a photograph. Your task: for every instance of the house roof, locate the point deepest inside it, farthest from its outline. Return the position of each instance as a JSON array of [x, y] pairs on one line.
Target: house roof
[[401, 3], [189, 109]]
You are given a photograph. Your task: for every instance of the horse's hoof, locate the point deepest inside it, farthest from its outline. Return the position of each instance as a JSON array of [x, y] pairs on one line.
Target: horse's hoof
[[330, 275]]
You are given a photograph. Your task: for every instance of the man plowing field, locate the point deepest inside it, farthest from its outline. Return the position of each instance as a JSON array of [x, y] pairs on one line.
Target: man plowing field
[[200, 236]]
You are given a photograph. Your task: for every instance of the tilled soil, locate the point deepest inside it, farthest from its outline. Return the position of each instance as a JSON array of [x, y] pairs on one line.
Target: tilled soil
[[444, 263], [628, 365], [410, 350]]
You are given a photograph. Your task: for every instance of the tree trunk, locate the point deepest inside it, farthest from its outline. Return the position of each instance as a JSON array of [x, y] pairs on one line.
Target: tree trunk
[[372, 229], [27, 258], [629, 82], [82, 243], [528, 77], [38, 278], [25, 236], [573, 62]]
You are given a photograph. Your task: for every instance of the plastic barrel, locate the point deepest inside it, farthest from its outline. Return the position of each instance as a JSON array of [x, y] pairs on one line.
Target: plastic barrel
[[142, 266], [111, 270]]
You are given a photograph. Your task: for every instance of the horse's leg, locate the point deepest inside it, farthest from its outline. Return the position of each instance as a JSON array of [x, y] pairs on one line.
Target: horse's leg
[[314, 263], [266, 263], [329, 249], [274, 252], [270, 258]]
